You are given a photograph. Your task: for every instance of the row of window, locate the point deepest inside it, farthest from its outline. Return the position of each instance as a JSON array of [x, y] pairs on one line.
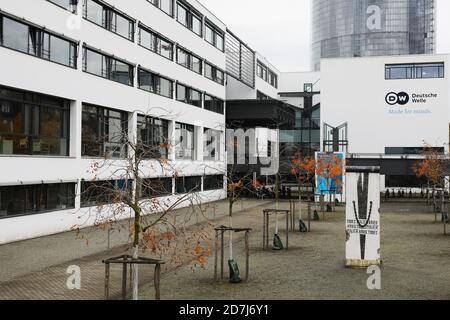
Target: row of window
[[115, 21], [414, 71], [33, 199], [266, 74], [156, 43], [37, 41], [36, 124]]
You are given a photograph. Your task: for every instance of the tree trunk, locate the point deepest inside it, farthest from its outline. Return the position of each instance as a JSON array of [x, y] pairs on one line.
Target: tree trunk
[[135, 254], [230, 222], [135, 274]]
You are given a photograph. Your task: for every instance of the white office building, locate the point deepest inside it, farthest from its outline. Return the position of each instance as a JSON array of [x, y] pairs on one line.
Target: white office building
[[73, 73], [383, 111]]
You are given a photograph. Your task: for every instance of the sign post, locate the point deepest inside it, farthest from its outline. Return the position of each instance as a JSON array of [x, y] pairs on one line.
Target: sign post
[[362, 217]]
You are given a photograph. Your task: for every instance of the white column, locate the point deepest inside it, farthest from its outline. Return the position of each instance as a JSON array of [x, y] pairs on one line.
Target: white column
[[76, 109], [172, 142], [198, 136]]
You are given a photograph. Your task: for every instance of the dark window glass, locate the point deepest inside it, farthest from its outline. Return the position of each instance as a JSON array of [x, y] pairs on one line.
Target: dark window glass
[[108, 18], [189, 95], [155, 83], [190, 61], [100, 193], [214, 104], [188, 184], [104, 132], [164, 5], [214, 36], [213, 182], [155, 43], [184, 141], [32, 124], [155, 188], [190, 19], [153, 137], [211, 150], [107, 67], [35, 41], [70, 5], [33, 199], [214, 74], [416, 71]]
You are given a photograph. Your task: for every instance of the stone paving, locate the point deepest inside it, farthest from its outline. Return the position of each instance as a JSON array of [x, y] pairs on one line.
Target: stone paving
[[415, 254], [37, 268]]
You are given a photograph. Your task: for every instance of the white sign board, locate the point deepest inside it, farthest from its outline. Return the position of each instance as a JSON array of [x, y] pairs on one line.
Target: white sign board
[[362, 216]]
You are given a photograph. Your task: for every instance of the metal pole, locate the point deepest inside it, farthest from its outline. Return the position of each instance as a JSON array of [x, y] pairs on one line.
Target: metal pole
[[264, 230], [124, 280], [287, 230], [106, 281], [157, 282], [221, 254], [216, 254], [247, 255]]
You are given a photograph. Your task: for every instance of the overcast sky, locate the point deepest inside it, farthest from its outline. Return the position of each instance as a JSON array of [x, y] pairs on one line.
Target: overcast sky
[[280, 30]]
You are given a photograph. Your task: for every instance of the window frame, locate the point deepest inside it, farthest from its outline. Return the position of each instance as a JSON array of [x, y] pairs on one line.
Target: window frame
[[156, 36], [414, 70], [150, 121], [107, 70], [155, 76], [107, 23], [214, 99], [214, 71], [27, 187], [74, 4], [188, 95], [42, 32], [190, 55], [190, 13], [216, 32]]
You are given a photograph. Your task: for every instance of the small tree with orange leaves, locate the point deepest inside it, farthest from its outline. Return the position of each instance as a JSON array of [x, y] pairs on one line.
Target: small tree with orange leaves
[[435, 167]]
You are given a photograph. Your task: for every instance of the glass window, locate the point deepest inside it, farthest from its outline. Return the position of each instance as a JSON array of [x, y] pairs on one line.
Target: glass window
[[70, 5], [34, 199], [123, 26], [214, 74], [166, 6], [108, 18], [197, 25], [184, 141], [104, 132], [95, 12], [155, 83], [155, 43], [196, 65], [189, 95], [190, 19], [155, 188], [107, 67], [188, 184], [166, 87], [211, 149], [183, 58], [146, 80], [62, 51], [214, 36], [153, 137], [29, 125], [214, 104], [190, 61], [100, 193], [196, 98], [213, 182], [182, 15], [15, 35], [415, 71]]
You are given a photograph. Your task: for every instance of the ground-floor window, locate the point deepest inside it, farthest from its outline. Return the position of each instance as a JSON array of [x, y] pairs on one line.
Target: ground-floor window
[[405, 182], [188, 184], [32, 199], [212, 182], [155, 188]]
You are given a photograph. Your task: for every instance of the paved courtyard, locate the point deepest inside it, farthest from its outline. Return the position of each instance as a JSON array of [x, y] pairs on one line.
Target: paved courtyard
[[416, 263], [416, 258]]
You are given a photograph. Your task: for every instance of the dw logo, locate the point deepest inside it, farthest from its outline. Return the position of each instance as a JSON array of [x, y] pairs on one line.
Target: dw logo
[[393, 98]]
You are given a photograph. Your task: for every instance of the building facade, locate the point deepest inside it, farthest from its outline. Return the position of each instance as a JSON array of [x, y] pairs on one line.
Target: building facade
[[360, 28], [386, 110], [77, 73]]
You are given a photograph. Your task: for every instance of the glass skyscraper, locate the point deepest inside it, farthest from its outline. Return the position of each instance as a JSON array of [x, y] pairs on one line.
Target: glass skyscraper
[[359, 28]]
